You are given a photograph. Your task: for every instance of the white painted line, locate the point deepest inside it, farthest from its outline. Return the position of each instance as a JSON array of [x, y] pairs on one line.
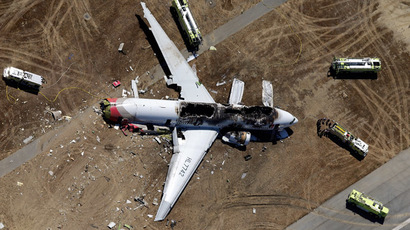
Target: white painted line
[[400, 226]]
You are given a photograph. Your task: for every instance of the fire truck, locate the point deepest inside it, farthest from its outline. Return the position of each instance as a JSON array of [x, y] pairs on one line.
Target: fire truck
[[355, 65], [187, 22], [327, 126], [367, 204], [23, 77]]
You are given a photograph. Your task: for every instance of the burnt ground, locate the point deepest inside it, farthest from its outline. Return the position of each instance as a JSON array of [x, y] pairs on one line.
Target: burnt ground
[[84, 183]]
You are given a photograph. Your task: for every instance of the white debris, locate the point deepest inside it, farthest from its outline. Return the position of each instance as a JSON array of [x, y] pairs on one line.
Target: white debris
[[98, 139], [128, 202], [158, 140], [28, 139], [1, 225], [155, 202], [212, 172], [51, 173], [243, 175], [220, 83], [51, 150], [254, 210], [131, 68], [150, 216], [125, 93], [111, 225], [19, 183], [190, 58], [212, 48], [72, 142], [82, 153], [116, 126]]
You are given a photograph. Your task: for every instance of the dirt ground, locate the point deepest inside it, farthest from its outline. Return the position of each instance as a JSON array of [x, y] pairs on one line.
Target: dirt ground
[[84, 180]]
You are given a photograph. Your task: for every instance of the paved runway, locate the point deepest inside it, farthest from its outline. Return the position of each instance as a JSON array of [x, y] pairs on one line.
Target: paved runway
[[389, 184]]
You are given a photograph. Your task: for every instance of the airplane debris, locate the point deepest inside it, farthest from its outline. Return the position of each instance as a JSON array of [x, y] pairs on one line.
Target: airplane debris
[[254, 210], [128, 202], [51, 173], [56, 114], [19, 183], [190, 58], [125, 93], [158, 140], [87, 16], [116, 83], [155, 202], [128, 226], [243, 175], [173, 223], [220, 83], [248, 157], [213, 48], [28, 140], [121, 48], [150, 216], [67, 118], [140, 200], [111, 225]]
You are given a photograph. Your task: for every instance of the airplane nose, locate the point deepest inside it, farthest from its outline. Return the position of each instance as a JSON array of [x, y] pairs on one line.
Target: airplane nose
[[285, 118]]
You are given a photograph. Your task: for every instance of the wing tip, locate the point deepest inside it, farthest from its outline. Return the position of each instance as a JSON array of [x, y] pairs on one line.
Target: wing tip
[[163, 210]]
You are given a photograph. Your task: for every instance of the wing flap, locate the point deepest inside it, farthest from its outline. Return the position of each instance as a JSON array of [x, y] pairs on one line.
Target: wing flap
[[267, 93], [236, 94], [183, 165]]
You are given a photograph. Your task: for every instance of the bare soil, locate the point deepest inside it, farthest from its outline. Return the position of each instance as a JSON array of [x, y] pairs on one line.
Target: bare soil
[[86, 177]]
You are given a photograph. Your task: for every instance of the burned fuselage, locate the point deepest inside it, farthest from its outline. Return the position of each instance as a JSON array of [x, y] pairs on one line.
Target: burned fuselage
[[173, 113]]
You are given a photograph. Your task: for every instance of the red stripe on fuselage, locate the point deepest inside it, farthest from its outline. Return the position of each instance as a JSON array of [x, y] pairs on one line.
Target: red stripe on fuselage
[[115, 114]]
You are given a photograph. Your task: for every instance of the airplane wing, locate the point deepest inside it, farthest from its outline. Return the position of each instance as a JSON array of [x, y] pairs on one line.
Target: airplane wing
[[188, 154], [236, 94], [182, 74]]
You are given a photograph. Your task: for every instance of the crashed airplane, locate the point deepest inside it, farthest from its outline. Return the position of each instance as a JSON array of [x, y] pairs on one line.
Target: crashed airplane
[[195, 119]]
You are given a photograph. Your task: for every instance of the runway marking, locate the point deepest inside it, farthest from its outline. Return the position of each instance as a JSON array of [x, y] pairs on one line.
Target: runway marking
[[400, 226]]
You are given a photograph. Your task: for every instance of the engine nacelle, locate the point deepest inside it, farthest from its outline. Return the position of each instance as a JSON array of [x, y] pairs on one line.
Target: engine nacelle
[[239, 138]]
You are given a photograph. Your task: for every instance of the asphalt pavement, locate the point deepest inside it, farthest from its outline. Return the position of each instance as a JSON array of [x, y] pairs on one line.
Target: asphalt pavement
[[389, 184]]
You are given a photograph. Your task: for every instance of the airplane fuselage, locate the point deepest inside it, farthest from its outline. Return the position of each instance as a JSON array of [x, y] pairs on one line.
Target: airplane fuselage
[[182, 114]]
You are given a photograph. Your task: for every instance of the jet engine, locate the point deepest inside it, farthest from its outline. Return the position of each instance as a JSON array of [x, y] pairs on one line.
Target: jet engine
[[238, 138]]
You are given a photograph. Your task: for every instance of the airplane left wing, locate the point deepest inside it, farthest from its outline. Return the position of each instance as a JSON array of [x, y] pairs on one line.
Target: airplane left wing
[[182, 74], [187, 156]]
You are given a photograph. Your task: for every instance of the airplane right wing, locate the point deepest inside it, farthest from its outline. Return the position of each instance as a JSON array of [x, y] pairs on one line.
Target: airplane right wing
[[187, 156], [182, 74]]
